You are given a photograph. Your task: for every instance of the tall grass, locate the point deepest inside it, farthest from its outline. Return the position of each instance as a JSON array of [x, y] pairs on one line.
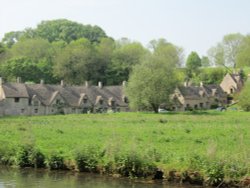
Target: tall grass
[[132, 144]]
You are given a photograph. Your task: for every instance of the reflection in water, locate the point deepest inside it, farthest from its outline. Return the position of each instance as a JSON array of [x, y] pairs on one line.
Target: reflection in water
[[54, 179]]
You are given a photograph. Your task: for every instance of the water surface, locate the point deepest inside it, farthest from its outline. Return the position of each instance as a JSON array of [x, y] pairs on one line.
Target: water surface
[[15, 178]]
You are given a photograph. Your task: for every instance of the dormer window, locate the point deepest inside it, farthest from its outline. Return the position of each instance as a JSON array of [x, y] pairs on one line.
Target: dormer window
[[85, 101], [101, 102]]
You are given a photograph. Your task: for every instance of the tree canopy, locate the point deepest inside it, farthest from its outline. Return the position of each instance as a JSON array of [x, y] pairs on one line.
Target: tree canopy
[[153, 80]]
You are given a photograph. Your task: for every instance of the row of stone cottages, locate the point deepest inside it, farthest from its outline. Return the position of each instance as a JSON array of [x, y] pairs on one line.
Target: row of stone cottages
[[42, 99]]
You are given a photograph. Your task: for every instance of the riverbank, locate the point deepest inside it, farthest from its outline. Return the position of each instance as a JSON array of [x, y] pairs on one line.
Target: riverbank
[[208, 148]]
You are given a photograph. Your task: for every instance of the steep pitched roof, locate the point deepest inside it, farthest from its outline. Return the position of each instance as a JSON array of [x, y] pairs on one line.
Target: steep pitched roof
[[15, 90], [192, 92]]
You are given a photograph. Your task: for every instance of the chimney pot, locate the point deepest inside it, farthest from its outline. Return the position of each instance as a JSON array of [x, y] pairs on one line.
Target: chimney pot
[[62, 83], [100, 85], [18, 79], [201, 84], [124, 83], [1, 80], [42, 81], [86, 84]]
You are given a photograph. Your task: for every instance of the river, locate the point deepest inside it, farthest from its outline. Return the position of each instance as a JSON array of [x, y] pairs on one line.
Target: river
[[29, 178]]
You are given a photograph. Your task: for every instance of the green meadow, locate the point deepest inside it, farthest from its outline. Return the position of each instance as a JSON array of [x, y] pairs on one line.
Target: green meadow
[[216, 145]]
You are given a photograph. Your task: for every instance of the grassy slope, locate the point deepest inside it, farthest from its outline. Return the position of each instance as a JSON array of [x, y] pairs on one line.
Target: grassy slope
[[170, 140]]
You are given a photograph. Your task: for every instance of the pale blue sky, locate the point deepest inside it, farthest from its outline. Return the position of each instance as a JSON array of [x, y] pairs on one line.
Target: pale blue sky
[[195, 25]]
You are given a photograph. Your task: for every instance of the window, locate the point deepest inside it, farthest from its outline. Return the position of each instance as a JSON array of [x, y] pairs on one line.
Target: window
[[112, 103], [201, 105], [231, 91], [36, 111], [196, 106], [17, 99], [22, 110], [85, 101], [101, 102]]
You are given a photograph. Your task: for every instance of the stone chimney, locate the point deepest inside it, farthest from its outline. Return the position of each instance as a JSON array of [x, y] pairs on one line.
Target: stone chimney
[[124, 83], [18, 80], [185, 84], [41, 81], [1, 81], [201, 84], [100, 85], [62, 83], [86, 84]]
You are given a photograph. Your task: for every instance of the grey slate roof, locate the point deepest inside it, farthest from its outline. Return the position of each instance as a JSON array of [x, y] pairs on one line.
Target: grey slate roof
[[71, 94], [15, 90]]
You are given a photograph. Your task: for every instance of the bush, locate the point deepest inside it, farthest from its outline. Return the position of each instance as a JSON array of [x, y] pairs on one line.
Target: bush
[[28, 156], [56, 161], [87, 159], [244, 97], [134, 164]]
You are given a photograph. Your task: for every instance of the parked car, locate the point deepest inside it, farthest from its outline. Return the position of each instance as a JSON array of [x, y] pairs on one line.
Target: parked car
[[162, 111], [221, 108]]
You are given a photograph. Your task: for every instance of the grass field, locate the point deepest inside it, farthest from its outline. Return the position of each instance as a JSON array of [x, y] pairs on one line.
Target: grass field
[[216, 144]]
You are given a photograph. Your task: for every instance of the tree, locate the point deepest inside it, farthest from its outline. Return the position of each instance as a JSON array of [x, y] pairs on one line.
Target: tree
[[39, 52], [205, 61], [225, 52], [62, 29], [216, 55], [244, 96], [231, 43], [11, 38], [21, 67], [193, 64], [74, 63], [152, 81], [243, 58], [123, 59]]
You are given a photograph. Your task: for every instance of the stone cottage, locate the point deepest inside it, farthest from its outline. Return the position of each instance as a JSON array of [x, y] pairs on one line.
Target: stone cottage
[[232, 83], [43, 99], [189, 97]]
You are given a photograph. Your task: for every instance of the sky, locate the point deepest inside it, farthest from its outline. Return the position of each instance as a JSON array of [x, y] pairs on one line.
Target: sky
[[195, 25]]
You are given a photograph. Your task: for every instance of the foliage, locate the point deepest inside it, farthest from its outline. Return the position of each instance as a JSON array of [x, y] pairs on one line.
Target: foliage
[[152, 81], [193, 64], [244, 101], [225, 52], [87, 159], [211, 75], [205, 61], [243, 58], [65, 30], [124, 58]]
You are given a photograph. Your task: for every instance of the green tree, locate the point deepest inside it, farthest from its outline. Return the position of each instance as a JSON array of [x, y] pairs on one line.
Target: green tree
[[21, 67], [40, 52], [231, 44], [216, 55], [244, 96], [225, 52], [152, 81], [11, 38], [243, 57], [193, 64], [205, 61], [74, 63], [62, 29], [123, 59]]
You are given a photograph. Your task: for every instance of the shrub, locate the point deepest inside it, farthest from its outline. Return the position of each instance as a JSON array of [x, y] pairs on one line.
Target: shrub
[[134, 164], [244, 96], [87, 159], [28, 156], [56, 161]]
